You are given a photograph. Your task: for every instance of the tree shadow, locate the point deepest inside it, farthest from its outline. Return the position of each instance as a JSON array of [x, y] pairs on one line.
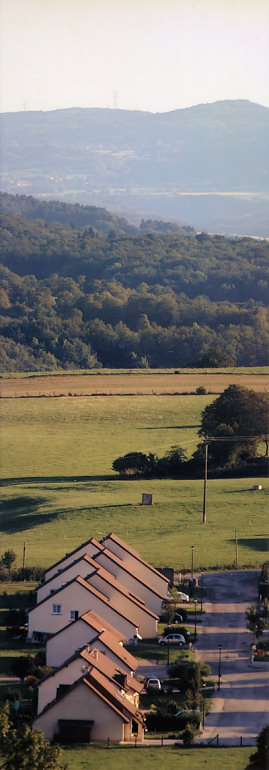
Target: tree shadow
[[21, 513], [16, 480], [256, 543], [171, 427]]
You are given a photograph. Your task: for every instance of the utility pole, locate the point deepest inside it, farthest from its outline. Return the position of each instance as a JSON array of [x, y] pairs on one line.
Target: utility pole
[[202, 588], [23, 558], [205, 484], [236, 550]]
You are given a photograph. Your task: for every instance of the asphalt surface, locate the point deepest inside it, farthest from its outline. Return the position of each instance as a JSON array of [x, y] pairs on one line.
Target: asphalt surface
[[240, 707]]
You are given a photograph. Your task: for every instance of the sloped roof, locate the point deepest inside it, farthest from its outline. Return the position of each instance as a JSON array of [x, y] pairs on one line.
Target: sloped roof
[[131, 551], [105, 690], [112, 556], [109, 642], [106, 666], [111, 693], [66, 556]]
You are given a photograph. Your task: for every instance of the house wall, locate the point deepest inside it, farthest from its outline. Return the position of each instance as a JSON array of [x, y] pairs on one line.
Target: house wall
[[74, 597], [89, 548], [68, 675], [60, 647], [83, 704], [139, 568], [47, 690], [147, 624], [130, 581], [80, 569]]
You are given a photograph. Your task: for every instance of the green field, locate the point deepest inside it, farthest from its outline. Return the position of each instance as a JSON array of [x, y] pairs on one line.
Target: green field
[[150, 758], [59, 490]]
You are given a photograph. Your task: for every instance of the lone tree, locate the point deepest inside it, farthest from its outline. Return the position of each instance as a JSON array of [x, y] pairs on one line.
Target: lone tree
[[237, 412], [8, 558]]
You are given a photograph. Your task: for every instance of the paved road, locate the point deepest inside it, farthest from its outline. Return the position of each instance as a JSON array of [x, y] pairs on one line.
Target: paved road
[[240, 707]]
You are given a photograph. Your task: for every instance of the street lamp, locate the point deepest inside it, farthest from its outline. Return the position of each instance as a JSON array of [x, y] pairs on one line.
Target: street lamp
[[219, 676], [202, 588], [195, 624], [203, 709], [168, 651], [192, 549]]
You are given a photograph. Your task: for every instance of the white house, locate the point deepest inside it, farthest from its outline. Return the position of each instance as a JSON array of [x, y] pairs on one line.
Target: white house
[[92, 631], [92, 709], [53, 685], [71, 601]]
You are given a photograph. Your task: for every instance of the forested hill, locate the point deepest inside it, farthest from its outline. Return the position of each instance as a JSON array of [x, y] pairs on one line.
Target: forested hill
[[78, 216], [77, 298]]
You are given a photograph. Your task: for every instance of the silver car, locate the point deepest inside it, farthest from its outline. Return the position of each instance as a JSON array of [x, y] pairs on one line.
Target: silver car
[[172, 639]]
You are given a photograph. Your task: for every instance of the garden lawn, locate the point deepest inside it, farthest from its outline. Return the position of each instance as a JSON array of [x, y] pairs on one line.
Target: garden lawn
[[150, 758]]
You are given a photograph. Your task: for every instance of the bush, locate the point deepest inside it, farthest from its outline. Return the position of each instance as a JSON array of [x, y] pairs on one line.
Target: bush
[[188, 735], [201, 390]]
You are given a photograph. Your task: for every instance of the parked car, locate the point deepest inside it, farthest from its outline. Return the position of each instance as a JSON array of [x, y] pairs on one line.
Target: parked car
[[177, 618], [183, 597], [172, 639], [154, 683]]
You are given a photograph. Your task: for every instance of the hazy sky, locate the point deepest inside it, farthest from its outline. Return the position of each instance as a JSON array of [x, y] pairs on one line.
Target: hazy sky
[[156, 55]]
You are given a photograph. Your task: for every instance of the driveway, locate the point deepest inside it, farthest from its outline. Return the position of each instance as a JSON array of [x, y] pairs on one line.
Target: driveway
[[240, 708]]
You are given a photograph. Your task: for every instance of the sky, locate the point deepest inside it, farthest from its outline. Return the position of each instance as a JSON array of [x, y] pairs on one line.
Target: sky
[[155, 55]]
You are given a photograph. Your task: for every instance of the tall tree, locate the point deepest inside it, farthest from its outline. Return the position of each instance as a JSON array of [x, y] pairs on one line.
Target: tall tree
[[238, 412]]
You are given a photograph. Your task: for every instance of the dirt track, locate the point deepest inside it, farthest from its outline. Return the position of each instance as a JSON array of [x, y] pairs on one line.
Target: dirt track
[[120, 384]]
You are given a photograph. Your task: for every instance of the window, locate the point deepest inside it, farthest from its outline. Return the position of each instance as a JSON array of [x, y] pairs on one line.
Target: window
[[56, 609], [74, 614]]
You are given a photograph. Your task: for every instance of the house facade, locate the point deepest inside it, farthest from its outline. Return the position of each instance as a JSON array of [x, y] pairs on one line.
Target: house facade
[[92, 709], [86, 631], [81, 663], [68, 604]]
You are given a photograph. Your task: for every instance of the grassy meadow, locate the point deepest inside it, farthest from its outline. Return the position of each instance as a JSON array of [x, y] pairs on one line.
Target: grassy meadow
[[149, 757], [58, 487]]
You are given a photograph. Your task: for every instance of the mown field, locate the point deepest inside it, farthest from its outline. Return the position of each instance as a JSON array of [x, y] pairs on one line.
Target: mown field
[[150, 758], [58, 488], [151, 381]]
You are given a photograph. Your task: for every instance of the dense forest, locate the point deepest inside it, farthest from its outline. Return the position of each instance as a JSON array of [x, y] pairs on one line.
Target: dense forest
[[77, 297]]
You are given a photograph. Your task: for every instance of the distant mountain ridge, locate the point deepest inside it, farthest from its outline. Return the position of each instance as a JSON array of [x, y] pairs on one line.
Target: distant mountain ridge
[[206, 165]]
